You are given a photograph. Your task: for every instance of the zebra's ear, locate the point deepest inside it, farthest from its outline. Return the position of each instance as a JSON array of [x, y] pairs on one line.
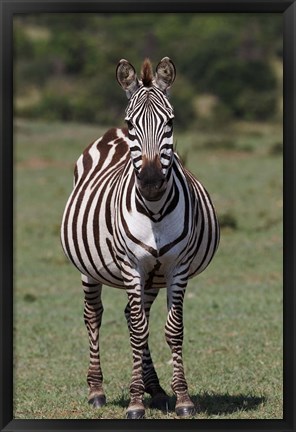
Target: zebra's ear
[[165, 74], [127, 77]]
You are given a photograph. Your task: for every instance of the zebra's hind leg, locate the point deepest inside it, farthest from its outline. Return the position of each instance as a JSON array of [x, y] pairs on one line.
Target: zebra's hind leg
[[174, 336], [93, 311], [152, 386]]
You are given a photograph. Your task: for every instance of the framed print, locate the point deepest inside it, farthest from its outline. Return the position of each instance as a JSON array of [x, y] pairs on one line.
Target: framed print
[[93, 175]]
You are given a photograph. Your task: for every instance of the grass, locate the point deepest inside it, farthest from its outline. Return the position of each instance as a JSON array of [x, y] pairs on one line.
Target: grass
[[233, 311]]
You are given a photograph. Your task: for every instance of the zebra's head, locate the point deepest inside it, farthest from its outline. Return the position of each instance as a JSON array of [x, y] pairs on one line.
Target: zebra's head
[[149, 117]]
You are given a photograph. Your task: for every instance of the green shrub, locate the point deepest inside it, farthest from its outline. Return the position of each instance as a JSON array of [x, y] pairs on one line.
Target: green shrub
[[247, 88], [53, 107], [228, 56], [182, 101]]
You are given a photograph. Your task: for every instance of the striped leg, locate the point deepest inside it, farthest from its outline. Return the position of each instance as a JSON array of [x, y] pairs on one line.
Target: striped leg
[[93, 311], [138, 328], [151, 381], [174, 337]]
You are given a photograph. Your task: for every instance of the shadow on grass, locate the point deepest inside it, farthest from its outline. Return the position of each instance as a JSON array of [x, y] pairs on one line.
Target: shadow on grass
[[215, 404], [210, 404]]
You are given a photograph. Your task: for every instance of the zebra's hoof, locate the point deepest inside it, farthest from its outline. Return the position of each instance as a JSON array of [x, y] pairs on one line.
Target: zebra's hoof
[[135, 414], [185, 411], [98, 401], [161, 403]]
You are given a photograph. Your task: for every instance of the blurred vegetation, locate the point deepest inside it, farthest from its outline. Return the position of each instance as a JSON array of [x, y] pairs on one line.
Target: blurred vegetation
[[228, 65]]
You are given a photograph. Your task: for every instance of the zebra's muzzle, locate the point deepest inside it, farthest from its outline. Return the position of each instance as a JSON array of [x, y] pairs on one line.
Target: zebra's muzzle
[[153, 192], [151, 181]]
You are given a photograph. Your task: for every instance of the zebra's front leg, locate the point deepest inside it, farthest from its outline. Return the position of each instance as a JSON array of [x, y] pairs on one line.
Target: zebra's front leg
[[93, 311], [152, 386], [138, 327], [174, 337]]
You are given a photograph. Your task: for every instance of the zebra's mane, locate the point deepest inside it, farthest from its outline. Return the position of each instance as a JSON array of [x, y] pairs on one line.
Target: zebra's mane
[[147, 73]]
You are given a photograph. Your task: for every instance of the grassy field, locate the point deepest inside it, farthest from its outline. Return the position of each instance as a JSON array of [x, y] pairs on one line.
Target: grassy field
[[233, 311]]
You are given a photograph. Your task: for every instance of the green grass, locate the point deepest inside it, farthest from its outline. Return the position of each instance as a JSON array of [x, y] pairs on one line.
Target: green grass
[[232, 313]]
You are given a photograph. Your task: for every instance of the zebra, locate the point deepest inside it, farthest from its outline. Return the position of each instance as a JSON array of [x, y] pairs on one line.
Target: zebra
[[138, 220]]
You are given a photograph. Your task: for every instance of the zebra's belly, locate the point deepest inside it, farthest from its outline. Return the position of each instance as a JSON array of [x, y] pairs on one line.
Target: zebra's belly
[[92, 253], [90, 247]]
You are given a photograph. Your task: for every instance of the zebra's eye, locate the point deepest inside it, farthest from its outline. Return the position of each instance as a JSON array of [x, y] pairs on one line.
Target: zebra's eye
[[169, 123], [129, 124]]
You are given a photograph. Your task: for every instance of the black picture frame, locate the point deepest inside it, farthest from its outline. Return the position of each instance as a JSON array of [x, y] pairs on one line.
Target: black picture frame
[[7, 10]]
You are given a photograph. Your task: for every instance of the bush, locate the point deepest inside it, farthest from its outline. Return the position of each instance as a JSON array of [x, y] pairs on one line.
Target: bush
[[247, 88], [227, 56], [53, 107], [182, 101]]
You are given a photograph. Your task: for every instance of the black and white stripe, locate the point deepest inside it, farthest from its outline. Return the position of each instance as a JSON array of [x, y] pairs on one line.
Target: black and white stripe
[[137, 219]]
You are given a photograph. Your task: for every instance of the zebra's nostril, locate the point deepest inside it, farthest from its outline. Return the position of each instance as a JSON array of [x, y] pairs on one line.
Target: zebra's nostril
[[159, 185]]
